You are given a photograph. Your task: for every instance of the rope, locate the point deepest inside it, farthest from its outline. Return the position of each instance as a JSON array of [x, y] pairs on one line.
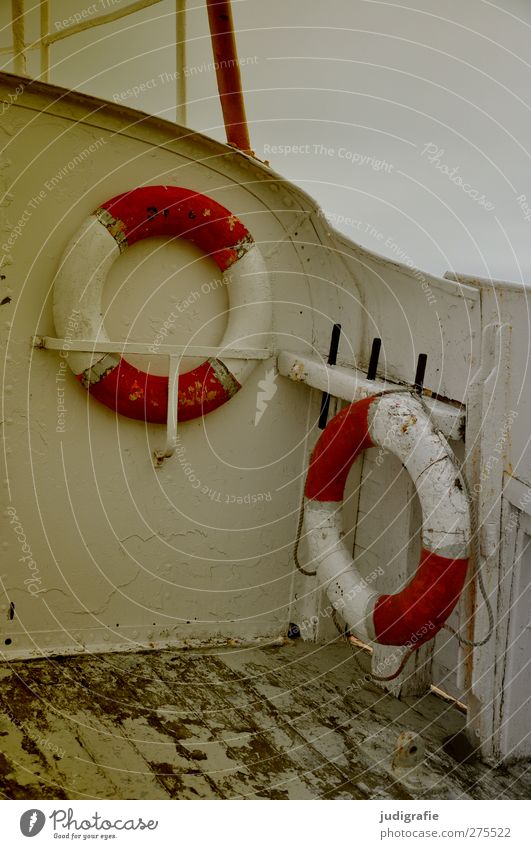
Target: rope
[[297, 542], [399, 670], [346, 634]]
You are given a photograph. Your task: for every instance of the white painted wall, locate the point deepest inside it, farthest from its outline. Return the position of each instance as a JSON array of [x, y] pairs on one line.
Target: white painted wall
[[128, 554]]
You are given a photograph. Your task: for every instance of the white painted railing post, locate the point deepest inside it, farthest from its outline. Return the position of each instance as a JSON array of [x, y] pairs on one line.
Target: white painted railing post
[[45, 48], [180, 61], [19, 47]]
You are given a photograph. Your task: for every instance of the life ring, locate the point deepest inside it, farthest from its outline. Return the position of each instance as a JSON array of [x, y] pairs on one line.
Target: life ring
[[78, 287], [396, 422]]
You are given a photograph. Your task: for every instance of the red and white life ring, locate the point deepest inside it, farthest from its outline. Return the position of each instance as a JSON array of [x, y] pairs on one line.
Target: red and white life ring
[[398, 423], [78, 287]]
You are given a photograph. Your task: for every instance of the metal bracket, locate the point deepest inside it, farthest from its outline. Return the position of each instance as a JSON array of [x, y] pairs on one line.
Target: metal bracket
[[174, 353], [171, 421]]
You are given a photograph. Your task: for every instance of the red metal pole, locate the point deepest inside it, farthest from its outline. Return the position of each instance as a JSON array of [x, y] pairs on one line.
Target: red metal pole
[[228, 73]]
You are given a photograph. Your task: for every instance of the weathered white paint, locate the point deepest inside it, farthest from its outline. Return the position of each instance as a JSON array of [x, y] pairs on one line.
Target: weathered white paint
[[78, 289], [336, 573], [400, 424], [447, 666], [130, 556], [250, 310], [510, 718], [413, 312], [127, 555], [284, 723], [352, 385], [497, 449], [387, 549]]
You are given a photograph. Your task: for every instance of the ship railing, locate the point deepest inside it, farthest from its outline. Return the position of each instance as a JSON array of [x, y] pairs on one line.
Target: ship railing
[[20, 48]]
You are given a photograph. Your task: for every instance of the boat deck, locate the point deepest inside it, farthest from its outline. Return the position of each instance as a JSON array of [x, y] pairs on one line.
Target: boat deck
[[291, 722]]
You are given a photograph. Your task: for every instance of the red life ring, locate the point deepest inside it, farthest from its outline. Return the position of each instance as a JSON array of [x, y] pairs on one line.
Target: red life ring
[[398, 423], [118, 223]]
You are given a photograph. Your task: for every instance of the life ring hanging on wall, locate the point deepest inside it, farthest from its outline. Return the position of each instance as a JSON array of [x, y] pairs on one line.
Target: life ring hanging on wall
[[398, 423], [122, 221]]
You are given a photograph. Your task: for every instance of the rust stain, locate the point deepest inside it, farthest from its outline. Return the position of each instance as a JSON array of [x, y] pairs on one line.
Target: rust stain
[[136, 393], [225, 377], [297, 372], [407, 425], [235, 253], [115, 226], [97, 372], [117, 229]]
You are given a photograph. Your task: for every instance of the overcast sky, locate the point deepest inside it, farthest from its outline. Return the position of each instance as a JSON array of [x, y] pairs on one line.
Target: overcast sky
[[408, 121]]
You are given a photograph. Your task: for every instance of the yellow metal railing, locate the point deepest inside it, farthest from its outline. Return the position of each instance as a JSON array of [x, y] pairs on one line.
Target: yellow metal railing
[[19, 47]]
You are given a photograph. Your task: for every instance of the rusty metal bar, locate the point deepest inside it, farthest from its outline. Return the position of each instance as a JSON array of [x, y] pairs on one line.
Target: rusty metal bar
[[228, 73], [17, 26], [180, 60]]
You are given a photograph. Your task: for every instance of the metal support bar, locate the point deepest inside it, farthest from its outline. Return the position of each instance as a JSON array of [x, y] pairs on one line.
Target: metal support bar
[[171, 420], [17, 25], [45, 49], [52, 37], [5, 51], [175, 355], [180, 60], [182, 351]]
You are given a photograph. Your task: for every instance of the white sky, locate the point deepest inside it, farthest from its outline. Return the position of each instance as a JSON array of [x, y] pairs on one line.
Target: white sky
[[369, 81]]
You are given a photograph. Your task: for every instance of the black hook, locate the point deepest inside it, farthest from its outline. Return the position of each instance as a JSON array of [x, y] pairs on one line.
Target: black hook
[[332, 359], [420, 373], [375, 356]]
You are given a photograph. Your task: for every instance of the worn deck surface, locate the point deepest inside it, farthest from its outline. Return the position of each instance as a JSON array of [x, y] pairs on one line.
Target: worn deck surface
[[294, 722]]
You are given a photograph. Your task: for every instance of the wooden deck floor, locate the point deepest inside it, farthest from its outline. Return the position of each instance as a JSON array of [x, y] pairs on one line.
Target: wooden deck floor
[[294, 722]]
